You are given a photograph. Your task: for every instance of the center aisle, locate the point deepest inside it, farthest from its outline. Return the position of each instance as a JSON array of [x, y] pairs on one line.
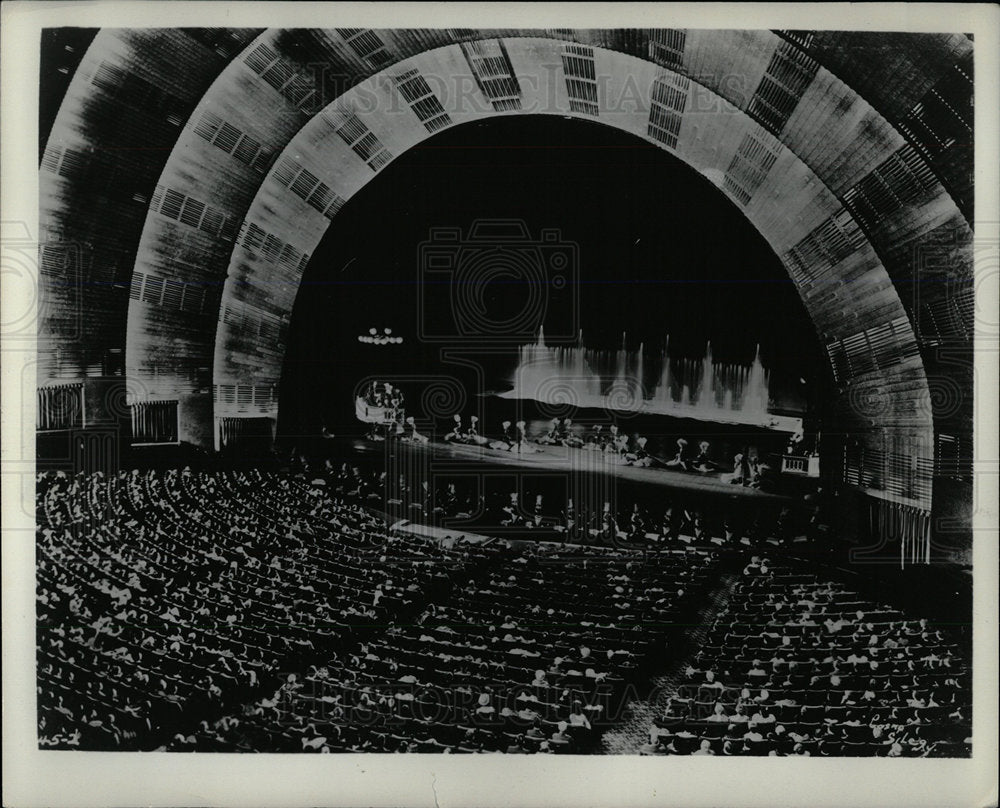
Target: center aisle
[[632, 733]]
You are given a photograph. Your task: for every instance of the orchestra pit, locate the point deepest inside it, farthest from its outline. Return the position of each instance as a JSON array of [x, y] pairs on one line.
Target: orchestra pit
[[598, 408]]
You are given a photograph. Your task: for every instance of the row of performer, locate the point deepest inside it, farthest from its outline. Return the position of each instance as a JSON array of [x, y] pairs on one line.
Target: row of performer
[[612, 443]]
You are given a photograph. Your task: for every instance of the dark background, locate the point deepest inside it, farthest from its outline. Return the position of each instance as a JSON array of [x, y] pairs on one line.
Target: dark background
[[660, 250]]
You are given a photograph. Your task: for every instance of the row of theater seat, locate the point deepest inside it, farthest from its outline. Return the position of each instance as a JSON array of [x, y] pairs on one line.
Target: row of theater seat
[[164, 595], [256, 611], [797, 664], [533, 656]]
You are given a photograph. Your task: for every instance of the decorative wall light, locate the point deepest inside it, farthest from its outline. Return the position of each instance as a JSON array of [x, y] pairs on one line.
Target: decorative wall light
[[373, 337]]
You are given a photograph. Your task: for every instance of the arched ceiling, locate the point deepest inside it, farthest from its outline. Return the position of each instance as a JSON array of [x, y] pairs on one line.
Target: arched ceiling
[[199, 169]]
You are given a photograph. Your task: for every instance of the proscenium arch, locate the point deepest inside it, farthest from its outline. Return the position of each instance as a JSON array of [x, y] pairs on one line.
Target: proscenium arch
[[319, 152], [831, 128], [709, 143]]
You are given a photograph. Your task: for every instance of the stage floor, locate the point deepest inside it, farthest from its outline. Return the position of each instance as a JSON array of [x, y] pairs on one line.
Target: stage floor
[[571, 461]]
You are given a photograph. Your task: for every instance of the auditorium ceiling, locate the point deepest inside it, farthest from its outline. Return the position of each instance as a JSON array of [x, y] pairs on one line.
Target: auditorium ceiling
[[197, 170]]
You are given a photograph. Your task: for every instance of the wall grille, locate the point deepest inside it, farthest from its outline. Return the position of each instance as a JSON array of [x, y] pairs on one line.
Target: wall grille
[[668, 99], [788, 75], [271, 249], [170, 293], [825, 247], [362, 141], [749, 167], [296, 85], [494, 73], [192, 212], [896, 182], [243, 147], [873, 349], [422, 100], [666, 47], [368, 46], [581, 79]]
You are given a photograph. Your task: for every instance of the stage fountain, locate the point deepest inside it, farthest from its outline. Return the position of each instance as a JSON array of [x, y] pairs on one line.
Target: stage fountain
[[701, 389]]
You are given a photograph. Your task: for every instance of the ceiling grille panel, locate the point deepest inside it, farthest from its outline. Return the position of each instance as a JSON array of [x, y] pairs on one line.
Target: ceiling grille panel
[[897, 182], [668, 99], [494, 73], [749, 167], [789, 74], [666, 47]]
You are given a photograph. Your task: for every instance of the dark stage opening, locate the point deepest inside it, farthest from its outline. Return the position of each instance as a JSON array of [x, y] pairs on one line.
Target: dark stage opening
[[647, 248]]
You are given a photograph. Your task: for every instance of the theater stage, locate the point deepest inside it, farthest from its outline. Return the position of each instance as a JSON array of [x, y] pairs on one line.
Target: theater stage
[[561, 459]]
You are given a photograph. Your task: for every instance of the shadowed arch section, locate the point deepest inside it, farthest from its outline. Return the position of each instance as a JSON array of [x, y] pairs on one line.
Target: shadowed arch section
[[842, 283], [923, 87], [128, 99]]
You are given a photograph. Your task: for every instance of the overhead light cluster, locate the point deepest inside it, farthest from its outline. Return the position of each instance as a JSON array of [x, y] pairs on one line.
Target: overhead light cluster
[[385, 338]]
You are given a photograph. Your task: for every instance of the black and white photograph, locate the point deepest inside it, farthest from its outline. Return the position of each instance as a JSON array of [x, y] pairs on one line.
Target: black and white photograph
[[568, 393]]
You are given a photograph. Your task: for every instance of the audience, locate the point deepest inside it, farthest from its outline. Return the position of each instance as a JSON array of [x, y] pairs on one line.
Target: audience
[[797, 665], [244, 610]]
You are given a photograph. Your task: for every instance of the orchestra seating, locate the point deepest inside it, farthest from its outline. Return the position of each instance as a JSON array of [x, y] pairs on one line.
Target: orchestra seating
[[798, 664], [236, 610], [533, 656], [163, 595]]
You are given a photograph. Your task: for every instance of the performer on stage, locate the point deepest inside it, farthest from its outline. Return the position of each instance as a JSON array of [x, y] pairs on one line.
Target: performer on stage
[[472, 435], [602, 437], [701, 532], [680, 460], [424, 506], [610, 448], [521, 438], [456, 430], [552, 436], [611, 443], [621, 445], [403, 489], [568, 436], [593, 443], [393, 395], [507, 442], [752, 478], [343, 478], [414, 436], [703, 462], [640, 457], [737, 476]]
